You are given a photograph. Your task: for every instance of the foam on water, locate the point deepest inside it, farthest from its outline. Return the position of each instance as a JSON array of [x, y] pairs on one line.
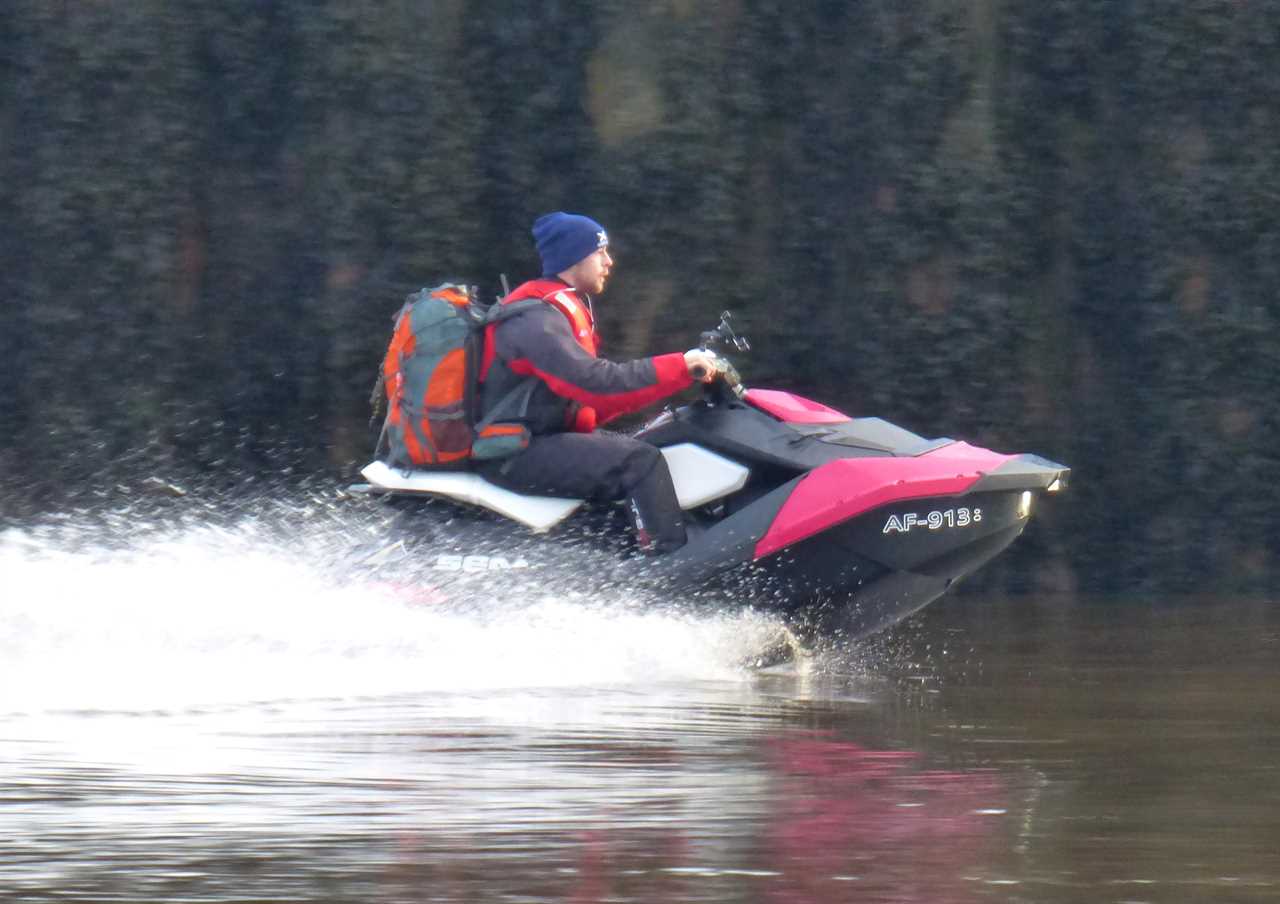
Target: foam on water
[[201, 615]]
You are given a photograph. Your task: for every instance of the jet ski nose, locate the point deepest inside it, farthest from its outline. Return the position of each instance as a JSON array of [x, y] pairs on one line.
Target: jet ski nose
[[1026, 471], [1061, 473]]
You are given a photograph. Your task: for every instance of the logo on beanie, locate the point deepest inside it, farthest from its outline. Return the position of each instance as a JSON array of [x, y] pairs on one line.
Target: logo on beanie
[[602, 239]]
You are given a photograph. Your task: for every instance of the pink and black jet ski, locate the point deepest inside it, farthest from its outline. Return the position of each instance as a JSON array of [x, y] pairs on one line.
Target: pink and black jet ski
[[849, 524]]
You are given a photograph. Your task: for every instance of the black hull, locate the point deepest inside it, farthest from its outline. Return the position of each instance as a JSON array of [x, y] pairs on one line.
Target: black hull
[[855, 578]]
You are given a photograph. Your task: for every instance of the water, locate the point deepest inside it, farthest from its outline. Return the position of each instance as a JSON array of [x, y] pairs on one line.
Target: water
[[202, 709]]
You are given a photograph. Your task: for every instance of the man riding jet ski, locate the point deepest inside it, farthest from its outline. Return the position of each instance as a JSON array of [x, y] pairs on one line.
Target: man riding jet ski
[[540, 368]]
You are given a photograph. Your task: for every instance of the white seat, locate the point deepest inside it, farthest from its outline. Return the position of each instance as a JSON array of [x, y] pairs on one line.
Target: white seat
[[540, 513], [699, 477]]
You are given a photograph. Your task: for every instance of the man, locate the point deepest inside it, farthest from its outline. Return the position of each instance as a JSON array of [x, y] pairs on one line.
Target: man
[[540, 369]]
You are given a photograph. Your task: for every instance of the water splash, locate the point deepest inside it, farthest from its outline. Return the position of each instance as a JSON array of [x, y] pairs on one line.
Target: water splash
[[137, 615]]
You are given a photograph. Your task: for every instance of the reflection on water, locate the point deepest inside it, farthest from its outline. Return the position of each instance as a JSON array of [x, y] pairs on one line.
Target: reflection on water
[[645, 793], [206, 717]]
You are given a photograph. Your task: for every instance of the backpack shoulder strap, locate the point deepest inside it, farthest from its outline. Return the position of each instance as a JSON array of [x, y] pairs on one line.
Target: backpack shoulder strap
[[515, 402], [499, 312]]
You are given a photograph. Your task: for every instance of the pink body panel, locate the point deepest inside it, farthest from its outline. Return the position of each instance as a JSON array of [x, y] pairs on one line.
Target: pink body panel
[[793, 409], [847, 487]]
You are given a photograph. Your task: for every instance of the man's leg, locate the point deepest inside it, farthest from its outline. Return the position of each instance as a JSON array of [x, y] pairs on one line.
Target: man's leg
[[605, 466]]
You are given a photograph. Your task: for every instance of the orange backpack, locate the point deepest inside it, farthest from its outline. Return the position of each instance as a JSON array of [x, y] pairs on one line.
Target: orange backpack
[[430, 375]]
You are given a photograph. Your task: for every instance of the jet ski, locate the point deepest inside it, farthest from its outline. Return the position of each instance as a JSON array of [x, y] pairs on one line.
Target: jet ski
[[843, 524]]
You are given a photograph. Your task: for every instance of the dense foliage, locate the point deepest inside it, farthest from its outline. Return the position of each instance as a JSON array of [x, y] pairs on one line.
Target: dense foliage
[[1047, 226]]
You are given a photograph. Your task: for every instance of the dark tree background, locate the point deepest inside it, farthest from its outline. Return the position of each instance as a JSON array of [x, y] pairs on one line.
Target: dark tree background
[[1049, 226]]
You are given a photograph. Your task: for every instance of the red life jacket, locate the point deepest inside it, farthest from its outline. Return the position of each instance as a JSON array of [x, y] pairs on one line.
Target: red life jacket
[[564, 298]]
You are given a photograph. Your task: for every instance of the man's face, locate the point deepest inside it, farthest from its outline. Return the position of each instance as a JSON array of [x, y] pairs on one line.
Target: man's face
[[591, 273]]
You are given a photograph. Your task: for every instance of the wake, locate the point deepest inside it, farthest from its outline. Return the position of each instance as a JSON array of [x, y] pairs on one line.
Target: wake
[[276, 602]]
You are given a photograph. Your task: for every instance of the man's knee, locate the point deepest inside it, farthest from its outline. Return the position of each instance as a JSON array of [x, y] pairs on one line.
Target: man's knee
[[643, 462]]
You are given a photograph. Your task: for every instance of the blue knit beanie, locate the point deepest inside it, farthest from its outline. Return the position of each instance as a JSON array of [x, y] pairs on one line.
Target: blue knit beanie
[[563, 239]]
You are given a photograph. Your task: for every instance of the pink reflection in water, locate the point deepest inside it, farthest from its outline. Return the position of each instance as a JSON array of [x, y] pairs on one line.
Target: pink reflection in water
[[854, 824]]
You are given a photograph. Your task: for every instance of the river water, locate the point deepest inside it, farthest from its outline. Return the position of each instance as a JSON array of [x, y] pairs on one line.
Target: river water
[[192, 711]]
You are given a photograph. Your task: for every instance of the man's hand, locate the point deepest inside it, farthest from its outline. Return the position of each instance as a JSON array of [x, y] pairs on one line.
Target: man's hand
[[702, 364]]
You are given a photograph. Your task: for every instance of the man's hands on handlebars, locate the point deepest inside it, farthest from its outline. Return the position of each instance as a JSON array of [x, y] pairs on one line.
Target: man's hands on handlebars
[[703, 365]]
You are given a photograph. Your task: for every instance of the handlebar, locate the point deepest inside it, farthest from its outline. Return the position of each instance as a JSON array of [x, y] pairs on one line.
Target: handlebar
[[727, 375], [726, 378]]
